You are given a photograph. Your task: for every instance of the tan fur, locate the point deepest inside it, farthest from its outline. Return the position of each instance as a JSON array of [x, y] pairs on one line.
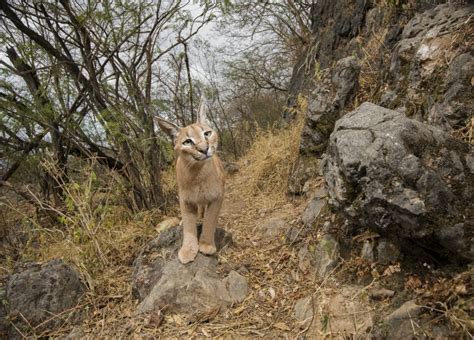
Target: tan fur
[[200, 178]]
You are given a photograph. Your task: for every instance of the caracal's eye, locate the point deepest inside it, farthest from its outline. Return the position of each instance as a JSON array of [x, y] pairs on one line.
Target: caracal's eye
[[188, 142], [207, 134]]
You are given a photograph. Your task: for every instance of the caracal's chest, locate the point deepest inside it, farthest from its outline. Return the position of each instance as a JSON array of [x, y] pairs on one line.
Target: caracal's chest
[[200, 185]]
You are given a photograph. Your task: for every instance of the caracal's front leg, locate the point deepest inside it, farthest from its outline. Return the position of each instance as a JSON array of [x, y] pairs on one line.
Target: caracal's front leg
[[207, 241], [190, 246]]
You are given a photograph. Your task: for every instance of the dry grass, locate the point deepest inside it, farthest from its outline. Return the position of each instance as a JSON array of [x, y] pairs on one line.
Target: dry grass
[[466, 133], [267, 165], [373, 50]]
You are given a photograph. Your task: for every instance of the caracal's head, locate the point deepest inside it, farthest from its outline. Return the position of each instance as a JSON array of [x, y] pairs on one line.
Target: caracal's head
[[196, 142]]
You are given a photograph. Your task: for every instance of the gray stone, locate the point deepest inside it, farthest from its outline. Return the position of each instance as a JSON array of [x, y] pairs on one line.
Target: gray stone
[[327, 100], [303, 170], [387, 252], [403, 178], [312, 210], [303, 311], [294, 234], [148, 266], [368, 251], [193, 287], [161, 281], [327, 255], [319, 260], [345, 79], [399, 324], [40, 291], [237, 286]]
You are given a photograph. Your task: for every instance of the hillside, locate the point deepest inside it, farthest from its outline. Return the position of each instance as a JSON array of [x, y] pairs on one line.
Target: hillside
[[349, 182]]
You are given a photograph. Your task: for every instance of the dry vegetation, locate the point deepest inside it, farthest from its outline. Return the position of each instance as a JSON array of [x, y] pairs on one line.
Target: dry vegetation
[[102, 239]]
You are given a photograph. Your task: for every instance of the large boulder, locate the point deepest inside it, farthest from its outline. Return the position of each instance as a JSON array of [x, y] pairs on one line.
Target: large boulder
[[403, 179], [43, 295], [160, 281]]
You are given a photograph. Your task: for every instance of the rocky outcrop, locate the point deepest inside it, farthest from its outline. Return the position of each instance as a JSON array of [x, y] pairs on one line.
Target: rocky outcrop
[[432, 67], [402, 178], [160, 281], [418, 61], [43, 295], [327, 102]]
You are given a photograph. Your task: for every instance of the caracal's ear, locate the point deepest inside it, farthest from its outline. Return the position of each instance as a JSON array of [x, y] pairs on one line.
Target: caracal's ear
[[169, 128], [202, 118]]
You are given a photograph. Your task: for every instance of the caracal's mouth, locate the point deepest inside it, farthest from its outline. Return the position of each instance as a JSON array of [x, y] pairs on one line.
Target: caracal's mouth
[[206, 157]]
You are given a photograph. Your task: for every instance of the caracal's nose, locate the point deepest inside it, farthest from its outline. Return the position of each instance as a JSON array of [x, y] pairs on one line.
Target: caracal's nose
[[203, 149]]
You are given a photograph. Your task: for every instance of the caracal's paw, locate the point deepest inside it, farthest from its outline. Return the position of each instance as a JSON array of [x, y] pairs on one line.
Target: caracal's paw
[[187, 253], [207, 249]]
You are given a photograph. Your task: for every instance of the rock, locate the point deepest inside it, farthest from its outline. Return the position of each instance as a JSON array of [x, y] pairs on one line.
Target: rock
[[327, 100], [148, 266], [326, 255], [295, 234], [193, 287], [409, 321], [430, 72], [273, 227], [403, 178], [303, 311], [237, 286], [160, 280], [399, 324], [319, 260], [368, 251], [387, 252], [305, 259], [41, 290], [326, 228], [302, 172], [345, 79], [313, 209]]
